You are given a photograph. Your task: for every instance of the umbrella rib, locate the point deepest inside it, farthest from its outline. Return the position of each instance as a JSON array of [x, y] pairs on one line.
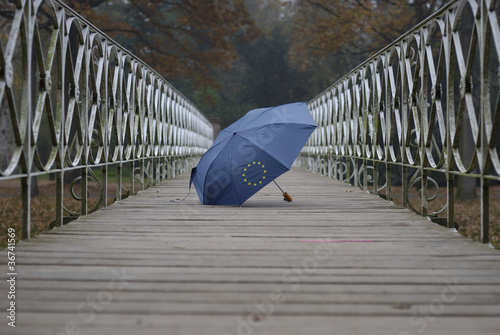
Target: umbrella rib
[[205, 179], [256, 117], [232, 175], [282, 123], [215, 159], [260, 148], [268, 109], [221, 142], [258, 145]]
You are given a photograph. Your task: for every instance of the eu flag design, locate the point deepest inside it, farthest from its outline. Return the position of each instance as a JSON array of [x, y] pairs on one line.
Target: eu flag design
[[254, 174]]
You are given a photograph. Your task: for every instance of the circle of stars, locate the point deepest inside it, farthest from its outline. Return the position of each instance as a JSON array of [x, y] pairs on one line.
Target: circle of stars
[[254, 165]]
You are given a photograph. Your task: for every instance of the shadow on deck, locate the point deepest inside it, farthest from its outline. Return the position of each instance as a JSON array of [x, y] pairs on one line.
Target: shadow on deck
[[336, 260]]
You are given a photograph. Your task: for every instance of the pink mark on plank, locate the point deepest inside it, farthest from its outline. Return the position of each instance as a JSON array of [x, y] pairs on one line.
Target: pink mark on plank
[[335, 241]]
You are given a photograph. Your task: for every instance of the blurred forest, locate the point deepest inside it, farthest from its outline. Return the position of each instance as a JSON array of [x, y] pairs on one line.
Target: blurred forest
[[230, 56]]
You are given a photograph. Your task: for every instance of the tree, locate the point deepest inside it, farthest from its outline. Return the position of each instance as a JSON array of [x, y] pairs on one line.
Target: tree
[[184, 40], [346, 32], [268, 78]]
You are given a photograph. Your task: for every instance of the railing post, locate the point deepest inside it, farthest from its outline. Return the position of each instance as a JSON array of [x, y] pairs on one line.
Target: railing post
[[404, 136], [484, 45], [104, 123], [132, 177], [142, 169], [420, 103], [119, 181], [26, 108], [61, 109], [84, 183], [376, 124], [60, 198], [389, 110], [151, 172], [104, 183], [450, 110]]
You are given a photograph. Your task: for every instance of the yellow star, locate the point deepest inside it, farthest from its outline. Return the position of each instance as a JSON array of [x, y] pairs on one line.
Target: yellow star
[[243, 175], [264, 177], [254, 184]]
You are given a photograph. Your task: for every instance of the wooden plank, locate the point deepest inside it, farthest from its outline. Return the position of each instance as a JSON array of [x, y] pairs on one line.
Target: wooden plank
[[366, 308], [336, 258], [251, 324], [201, 287], [157, 273]]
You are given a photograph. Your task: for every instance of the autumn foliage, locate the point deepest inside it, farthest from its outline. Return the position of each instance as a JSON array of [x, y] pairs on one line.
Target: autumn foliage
[[181, 39], [190, 41], [351, 29]]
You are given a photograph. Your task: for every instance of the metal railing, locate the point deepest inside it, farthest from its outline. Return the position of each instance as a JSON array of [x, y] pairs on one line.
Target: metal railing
[[422, 113], [73, 100]]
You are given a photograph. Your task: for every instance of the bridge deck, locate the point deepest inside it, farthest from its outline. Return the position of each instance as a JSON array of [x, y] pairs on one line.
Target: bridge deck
[[334, 261]]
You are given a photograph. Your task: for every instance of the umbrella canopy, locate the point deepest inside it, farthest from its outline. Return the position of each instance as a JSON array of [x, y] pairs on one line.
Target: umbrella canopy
[[251, 153]]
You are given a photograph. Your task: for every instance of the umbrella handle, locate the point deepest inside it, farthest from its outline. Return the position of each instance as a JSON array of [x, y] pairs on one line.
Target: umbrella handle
[[286, 196]]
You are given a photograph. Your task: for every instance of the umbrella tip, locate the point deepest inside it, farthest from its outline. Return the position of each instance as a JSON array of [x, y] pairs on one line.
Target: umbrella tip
[[287, 197]]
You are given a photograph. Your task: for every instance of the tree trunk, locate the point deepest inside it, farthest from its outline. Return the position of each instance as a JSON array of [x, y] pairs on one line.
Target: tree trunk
[[466, 186], [6, 138], [35, 191]]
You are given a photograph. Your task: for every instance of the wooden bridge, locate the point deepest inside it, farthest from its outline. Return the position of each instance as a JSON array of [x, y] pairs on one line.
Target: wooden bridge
[[336, 260], [421, 115]]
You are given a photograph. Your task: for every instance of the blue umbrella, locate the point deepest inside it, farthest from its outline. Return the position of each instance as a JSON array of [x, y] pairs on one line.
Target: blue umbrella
[[251, 153]]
